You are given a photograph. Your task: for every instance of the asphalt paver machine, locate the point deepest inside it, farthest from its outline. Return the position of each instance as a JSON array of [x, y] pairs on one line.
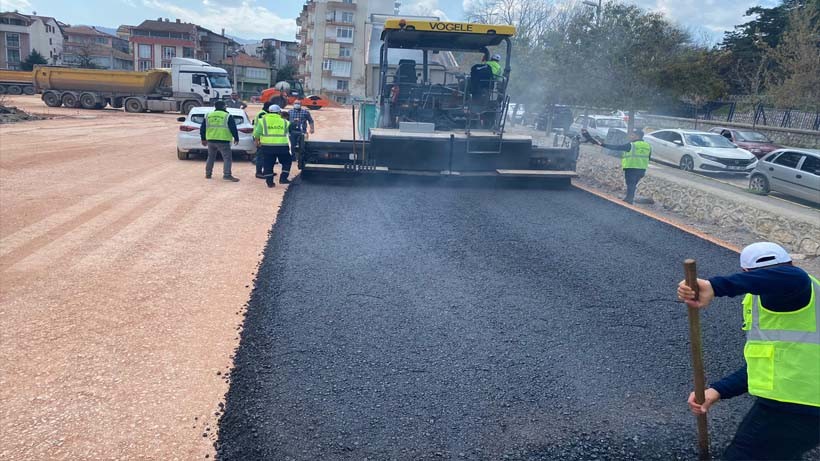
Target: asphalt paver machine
[[452, 128]]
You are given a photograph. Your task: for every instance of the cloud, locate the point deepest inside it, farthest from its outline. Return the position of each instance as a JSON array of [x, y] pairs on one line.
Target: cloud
[[23, 6], [241, 18], [711, 16], [423, 8]]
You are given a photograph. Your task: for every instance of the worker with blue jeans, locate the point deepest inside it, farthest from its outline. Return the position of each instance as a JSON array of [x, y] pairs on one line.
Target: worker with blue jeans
[[782, 352]]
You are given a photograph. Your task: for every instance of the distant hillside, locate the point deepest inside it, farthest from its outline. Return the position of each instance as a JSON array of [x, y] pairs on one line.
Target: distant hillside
[[107, 30]]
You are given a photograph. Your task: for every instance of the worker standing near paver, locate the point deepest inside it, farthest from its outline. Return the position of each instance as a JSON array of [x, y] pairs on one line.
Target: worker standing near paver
[[216, 132], [258, 159], [495, 65], [300, 118], [634, 160], [782, 354], [271, 136]]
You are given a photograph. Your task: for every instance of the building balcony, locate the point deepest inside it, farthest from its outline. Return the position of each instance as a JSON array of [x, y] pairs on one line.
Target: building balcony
[[336, 22], [336, 92], [341, 5], [327, 73]]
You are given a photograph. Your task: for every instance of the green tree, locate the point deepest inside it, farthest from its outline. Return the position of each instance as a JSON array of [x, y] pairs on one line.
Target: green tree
[[285, 73], [795, 81], [33, 59]]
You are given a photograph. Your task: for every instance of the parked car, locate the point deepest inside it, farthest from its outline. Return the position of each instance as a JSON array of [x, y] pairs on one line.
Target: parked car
[[699, 151], [639, 121], [515, 113], [561, 118], [794, 172], [755, 142], [188, 140], [598, 125]]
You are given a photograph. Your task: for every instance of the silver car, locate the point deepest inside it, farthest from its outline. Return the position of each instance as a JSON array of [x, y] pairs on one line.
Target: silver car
[[188, 140], [794, 172]]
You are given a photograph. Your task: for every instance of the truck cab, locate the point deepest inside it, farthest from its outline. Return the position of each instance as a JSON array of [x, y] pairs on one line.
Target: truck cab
[[194, 78]]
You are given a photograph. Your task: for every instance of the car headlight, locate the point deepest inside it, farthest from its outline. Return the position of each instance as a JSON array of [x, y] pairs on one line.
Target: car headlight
[[710, 157]]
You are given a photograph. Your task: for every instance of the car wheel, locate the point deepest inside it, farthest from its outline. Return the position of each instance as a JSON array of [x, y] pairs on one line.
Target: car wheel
[[182, 155], [687, 163], [759, 184]]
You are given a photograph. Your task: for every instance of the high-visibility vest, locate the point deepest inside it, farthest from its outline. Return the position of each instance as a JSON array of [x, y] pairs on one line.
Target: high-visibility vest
[[259, 116], [496, 68], [638, 156], [216, 126], [783, 351], [274, 130]]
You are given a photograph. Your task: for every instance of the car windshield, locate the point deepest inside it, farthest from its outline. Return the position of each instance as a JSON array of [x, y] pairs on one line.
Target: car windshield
[[752, 136], [610, 123], [708, 140], [198, 118], [219, 80]]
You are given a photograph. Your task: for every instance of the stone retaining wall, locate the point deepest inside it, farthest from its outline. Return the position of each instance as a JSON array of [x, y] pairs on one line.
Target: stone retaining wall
[[797, 235], [786, 136]]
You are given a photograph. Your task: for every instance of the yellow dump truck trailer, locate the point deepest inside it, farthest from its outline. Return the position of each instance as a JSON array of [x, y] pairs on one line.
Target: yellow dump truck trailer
[[189, 83], [16, 82]]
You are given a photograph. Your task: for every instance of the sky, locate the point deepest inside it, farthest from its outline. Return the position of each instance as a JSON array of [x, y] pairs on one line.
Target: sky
[[255, 19]]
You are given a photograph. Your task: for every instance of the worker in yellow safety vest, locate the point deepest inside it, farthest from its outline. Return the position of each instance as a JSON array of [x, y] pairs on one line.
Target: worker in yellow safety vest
[[216, 132], [271, 136], [782, 352], [634, 159]]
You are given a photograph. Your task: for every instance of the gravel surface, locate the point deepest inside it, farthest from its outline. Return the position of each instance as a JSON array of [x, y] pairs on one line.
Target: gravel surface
[[429, 322]]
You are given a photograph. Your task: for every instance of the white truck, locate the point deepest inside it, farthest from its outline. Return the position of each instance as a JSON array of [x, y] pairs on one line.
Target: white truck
[[188, 83]]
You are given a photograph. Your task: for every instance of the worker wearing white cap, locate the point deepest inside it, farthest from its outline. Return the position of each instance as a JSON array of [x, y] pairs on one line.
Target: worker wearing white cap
[[782, 352]]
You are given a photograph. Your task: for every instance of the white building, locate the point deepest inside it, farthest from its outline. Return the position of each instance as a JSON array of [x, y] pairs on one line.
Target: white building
[[333, 43], [20, 34]]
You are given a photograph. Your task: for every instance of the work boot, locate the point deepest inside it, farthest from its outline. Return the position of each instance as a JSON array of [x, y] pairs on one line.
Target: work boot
[[230, 178], [207, 175], [284, 178], [270, 183]]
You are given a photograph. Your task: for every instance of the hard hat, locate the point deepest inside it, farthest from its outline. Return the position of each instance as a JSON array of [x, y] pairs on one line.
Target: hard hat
[[275, 109], [496, 57]]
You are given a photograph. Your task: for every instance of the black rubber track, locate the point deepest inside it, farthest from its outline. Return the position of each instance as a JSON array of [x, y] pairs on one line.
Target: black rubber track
[[421, 321]]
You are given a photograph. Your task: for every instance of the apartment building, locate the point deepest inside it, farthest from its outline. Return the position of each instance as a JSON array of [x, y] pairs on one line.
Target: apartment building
[[279, 53], [333, 43], [252, 74], [20, 34], [155, 43], [88, 47]]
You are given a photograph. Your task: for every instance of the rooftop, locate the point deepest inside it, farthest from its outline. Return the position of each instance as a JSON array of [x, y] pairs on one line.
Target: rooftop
[[244, 60], [85, 30], [167, 26]]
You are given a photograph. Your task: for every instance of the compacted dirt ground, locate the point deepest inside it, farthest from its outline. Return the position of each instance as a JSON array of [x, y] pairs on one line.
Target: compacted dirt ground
[[123, 275]]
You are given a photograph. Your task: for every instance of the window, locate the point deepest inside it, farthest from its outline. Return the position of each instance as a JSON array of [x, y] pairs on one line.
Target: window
[[327, 64], [347, 1], [579, 120], [345, 52], [811, 165], [144, 64], [788, 159], [102, 40], [341, 85], [341, 68], [13, 56], [199, 118], [13, 40], [169, 52], [145, 51], [347, 17], [340, 99], [256, 73], [344, 32], [49, 41], [187, 52]]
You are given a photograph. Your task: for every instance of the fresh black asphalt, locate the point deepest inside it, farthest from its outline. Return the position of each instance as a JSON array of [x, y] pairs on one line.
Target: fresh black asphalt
[[425, 321]]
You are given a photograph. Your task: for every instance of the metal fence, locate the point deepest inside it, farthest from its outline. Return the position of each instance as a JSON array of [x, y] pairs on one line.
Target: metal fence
[[759, 114]]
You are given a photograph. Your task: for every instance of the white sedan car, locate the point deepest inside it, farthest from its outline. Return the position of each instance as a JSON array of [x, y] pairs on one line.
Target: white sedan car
[[189, 141], [598, 126], [700, 151]]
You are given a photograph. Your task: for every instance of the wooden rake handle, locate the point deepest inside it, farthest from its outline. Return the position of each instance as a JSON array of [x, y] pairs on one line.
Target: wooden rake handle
[[690, 269]]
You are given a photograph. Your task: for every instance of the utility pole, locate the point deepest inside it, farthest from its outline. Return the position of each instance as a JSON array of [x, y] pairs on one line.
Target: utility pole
[[597, 7], [233, 56]]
